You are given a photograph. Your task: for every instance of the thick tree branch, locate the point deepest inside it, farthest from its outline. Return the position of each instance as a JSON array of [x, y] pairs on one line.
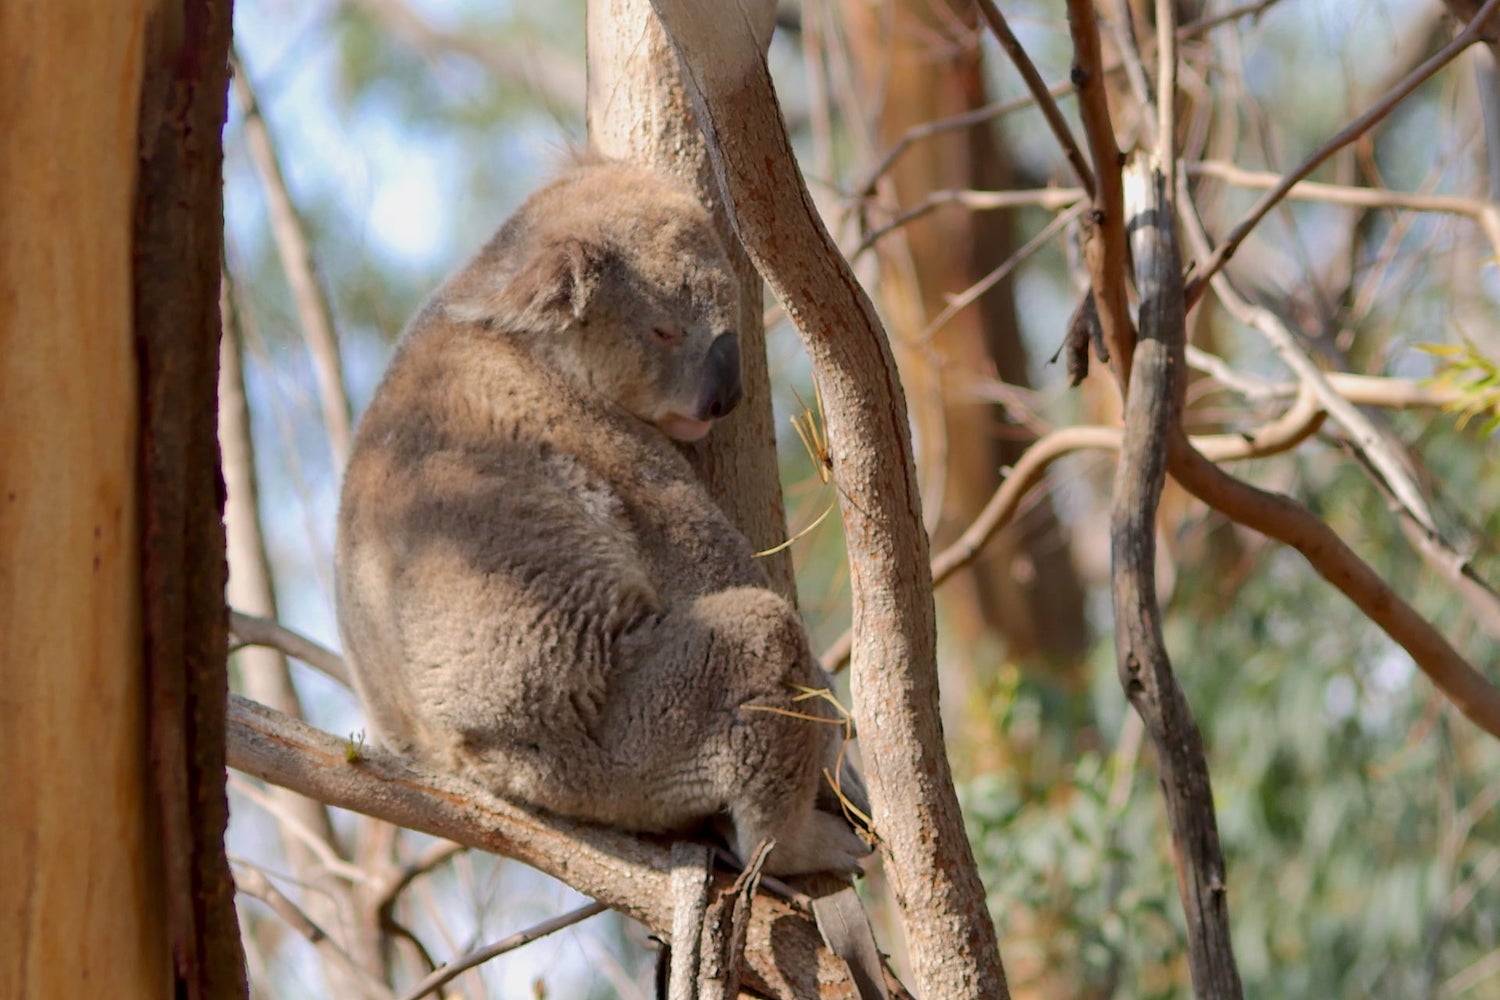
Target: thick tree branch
[[783, 955], [1153, 405], [949, 933]]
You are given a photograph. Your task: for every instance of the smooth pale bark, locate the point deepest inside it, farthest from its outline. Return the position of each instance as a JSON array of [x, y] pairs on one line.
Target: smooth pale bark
[[949, 934], [81, 877], [111, 552], [639, 112]]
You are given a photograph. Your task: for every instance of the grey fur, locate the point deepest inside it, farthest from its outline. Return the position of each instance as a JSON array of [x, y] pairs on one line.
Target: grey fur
[[534, 590]]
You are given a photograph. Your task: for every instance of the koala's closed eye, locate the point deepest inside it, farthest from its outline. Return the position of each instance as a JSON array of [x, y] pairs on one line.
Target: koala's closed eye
[[534, 589]]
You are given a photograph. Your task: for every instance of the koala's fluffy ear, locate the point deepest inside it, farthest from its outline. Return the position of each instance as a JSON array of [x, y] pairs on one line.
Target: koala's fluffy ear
[[549, 289]]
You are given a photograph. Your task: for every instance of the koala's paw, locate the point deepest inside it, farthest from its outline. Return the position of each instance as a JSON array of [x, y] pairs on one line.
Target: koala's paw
[[824, 843]]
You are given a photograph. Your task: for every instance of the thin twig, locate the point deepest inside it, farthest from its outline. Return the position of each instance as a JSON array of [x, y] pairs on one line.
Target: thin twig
[[1039, 93], [290, 823], [459, 966], [1052, 199], [1472, 32], [250, 630], [1485, 213], [253, 883], [1366, 437], [428, 860], [1166, 90], [1105, 249], [968, 296], [311, 302]]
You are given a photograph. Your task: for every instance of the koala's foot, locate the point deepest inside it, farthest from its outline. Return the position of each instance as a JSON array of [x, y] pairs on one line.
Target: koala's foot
[[822, 842]]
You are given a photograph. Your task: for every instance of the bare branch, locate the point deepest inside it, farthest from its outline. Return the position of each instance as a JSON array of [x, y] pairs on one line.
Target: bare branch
[[1282, 518], [1166, 90], [1366, 437], [949, 932], [623, 872], [1104, 248], [313, 310], [253, 883], [293, 825], [1039, 93], [1052, 199], [441, 977], [255, 631], [1482, 211], [1471, 33], [1153, 407]]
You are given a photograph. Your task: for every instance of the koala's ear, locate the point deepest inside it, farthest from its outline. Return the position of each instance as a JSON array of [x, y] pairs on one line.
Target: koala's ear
[[549, 290]]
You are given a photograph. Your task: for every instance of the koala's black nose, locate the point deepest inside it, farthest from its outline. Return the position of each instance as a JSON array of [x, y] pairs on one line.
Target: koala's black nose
[[722, 391]]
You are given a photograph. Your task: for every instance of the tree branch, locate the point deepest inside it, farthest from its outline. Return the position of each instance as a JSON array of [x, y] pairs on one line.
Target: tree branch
[[1484, 213], [253, 883], [1039, 93], [949, 933], [1153, 405], [313, 311], [784, 956], [250, 630], [1104, 248], [1473, 32], [457, 967]]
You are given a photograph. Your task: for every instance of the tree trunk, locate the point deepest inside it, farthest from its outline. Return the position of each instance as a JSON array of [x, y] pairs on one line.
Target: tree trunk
[[639, 112], [113, 818]]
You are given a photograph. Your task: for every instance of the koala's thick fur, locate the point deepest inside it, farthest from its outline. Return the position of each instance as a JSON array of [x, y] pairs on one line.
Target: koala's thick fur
[[534, 589]]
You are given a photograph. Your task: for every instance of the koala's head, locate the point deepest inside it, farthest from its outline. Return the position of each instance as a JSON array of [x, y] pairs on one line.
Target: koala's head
[[615, 275]]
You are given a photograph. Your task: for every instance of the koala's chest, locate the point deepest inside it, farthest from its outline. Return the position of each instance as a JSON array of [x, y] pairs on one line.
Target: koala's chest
[[683, 541]]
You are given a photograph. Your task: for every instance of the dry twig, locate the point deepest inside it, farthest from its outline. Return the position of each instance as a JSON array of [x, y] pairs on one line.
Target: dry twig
[[311, 302], [1472, 32], [446, 974]]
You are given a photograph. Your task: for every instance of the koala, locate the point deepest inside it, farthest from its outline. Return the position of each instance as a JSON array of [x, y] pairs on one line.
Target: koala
[[534, 590]]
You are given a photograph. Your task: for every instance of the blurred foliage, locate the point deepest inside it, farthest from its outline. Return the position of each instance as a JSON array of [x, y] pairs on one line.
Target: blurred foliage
[[1357, 810]]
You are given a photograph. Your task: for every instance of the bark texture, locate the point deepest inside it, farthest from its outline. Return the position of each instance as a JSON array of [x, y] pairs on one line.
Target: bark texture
[[950, 937], [782, 951], [1153, 406], [82, 871], [639, 112], [178, 235], [113, 816]]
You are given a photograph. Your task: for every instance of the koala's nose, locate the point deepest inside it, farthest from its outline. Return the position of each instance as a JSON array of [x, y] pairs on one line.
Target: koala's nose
[[722, 388]]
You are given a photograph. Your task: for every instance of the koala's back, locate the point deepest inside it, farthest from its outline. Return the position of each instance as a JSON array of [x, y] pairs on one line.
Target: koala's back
[[501, 531]]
